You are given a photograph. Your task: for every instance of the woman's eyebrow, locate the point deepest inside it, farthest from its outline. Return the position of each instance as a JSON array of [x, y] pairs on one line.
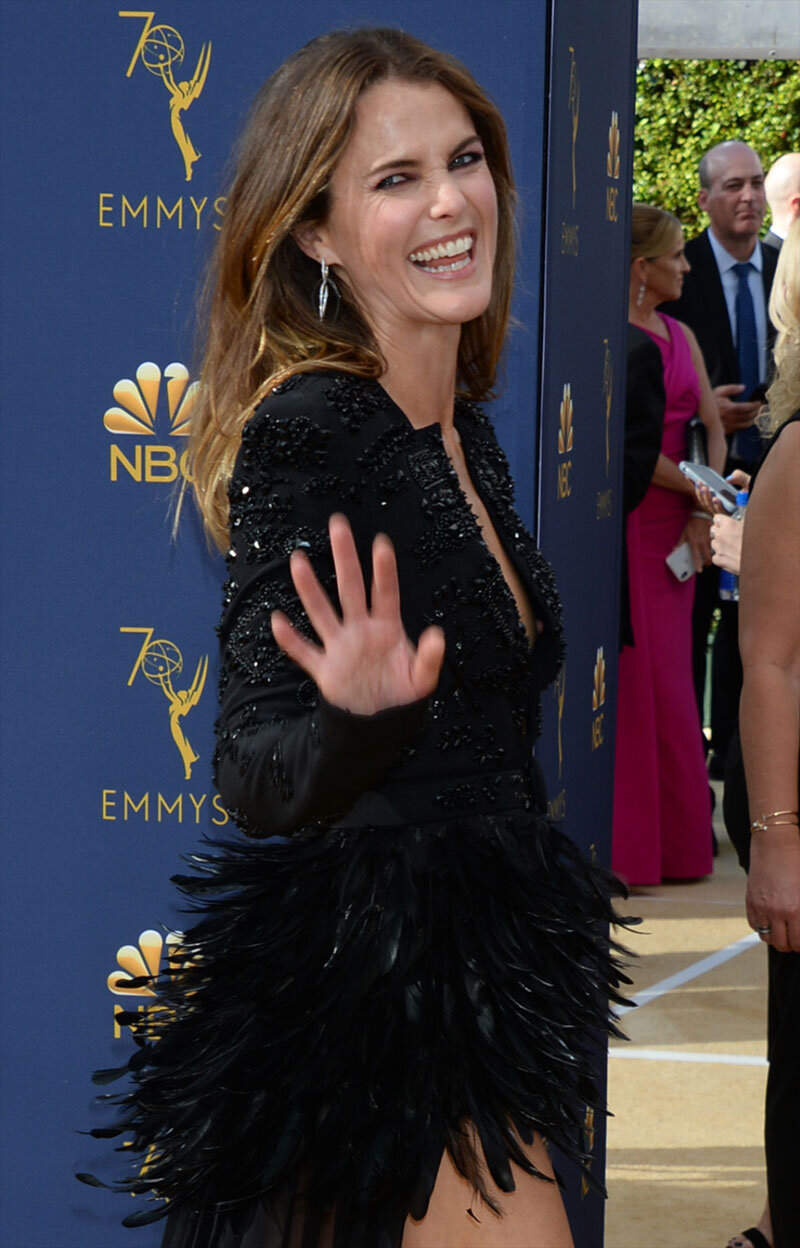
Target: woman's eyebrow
[[408, 162]]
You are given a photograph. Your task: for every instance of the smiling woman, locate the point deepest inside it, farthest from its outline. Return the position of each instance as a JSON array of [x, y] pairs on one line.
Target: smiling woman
[[411, 192], [395, 993]]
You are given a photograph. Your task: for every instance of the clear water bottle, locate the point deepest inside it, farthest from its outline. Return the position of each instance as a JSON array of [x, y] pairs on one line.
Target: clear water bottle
[[728, 581]]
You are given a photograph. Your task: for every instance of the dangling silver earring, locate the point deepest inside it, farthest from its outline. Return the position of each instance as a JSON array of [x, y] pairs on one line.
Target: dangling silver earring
[[326, 285], [640, 294]]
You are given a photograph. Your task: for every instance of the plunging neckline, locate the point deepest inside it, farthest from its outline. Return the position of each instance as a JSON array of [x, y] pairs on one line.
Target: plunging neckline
[[434, 429]]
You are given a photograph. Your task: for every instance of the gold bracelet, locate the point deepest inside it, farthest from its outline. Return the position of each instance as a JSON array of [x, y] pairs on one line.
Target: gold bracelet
[[762, 824]]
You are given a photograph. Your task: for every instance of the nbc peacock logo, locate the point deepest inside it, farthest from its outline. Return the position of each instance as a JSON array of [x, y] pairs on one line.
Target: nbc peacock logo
[[598, 698], [565, 440], [147, 406], [138, 967]]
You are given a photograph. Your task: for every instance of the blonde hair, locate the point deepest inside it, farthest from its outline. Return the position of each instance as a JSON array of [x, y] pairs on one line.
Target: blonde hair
[[653, 232], [783, 396], [258, 306]]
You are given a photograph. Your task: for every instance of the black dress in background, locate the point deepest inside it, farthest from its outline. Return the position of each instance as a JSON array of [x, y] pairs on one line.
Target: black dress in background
[[408, 946]]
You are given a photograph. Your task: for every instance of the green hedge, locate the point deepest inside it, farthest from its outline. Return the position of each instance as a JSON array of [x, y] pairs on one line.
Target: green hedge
[[685, 107]]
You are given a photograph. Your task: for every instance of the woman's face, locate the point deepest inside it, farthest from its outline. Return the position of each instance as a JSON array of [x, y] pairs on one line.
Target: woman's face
[[413, 217], [665, 273]]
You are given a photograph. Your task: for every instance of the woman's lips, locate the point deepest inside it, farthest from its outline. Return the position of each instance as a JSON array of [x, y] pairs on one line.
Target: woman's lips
[[446, 256]]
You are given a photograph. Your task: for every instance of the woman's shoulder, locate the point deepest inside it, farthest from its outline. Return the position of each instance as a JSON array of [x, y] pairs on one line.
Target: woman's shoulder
[[335, 429], [330, 400], [679, 331]]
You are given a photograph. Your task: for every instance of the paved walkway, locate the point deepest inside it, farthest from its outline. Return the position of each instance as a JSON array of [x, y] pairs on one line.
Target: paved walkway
[[685, 1159]]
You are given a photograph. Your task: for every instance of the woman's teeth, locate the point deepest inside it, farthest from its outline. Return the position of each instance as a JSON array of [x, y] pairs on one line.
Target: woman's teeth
[[444, 251]]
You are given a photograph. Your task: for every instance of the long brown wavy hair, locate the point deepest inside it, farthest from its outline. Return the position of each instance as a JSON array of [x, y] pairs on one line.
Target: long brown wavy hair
[[258, 308]]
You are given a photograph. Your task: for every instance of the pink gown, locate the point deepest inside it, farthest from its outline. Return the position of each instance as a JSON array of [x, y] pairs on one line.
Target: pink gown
[[662, 809]]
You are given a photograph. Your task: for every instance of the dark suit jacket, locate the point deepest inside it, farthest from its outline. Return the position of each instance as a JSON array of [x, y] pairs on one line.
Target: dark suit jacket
[[644, 426], [772, 240], [702, 307]]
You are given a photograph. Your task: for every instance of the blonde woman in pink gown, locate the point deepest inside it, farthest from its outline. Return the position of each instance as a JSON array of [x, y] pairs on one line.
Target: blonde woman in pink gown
[[662, 812]]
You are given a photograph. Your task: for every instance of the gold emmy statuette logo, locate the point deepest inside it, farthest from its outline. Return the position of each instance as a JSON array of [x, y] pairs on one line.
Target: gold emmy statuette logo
[[136, 415], [574, 108], [161, 51], [598, 699], [559, 690], [565, 415], [565, 440], [599, 691], [160, 661], [588, 1147], [608, 395], [612, 159]]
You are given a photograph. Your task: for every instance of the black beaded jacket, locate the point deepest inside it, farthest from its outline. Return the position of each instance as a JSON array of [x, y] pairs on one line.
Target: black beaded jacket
[[286, 761]]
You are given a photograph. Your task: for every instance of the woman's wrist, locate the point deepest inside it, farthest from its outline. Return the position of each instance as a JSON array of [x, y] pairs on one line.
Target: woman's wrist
[[775, 819]]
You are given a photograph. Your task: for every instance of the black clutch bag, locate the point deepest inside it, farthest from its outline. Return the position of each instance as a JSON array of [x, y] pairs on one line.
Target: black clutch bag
[[697, 441]]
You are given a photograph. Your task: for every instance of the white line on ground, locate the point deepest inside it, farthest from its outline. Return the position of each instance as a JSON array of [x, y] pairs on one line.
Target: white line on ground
[[684, 901], [689, 973], [666, 1055]]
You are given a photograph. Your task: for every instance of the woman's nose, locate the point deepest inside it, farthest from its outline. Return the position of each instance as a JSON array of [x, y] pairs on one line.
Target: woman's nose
[[447, 199]]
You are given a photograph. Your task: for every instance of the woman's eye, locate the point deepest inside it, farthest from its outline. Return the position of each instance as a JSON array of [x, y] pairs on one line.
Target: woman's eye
[[394, 179], [464, 159]]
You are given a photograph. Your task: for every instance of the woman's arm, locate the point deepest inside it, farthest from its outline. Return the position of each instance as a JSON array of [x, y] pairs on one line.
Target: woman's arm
[[769, 640], [697, 531], [297, 743], [644, 416], [668, 475], [707, 408]]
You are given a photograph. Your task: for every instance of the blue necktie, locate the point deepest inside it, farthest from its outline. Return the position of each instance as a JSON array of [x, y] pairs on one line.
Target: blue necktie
[[747, 443]]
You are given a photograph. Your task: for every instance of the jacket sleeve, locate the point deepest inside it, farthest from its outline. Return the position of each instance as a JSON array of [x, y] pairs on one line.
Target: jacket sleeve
[[285, 758]]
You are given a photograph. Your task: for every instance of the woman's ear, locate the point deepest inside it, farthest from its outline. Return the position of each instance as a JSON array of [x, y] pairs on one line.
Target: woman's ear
[[307, 238], [639, 269], [311, 238]]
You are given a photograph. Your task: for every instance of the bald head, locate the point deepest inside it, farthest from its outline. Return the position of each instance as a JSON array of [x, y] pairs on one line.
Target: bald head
[[715, 161], [782, 185]]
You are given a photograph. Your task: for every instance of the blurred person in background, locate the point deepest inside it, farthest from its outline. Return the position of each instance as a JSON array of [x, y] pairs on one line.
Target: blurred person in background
[[769, 636], [724, 300], [782, 186], [662, 812]]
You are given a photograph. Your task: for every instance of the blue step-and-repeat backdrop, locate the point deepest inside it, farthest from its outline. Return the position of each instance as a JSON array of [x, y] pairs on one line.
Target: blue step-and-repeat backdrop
[[117, 127]]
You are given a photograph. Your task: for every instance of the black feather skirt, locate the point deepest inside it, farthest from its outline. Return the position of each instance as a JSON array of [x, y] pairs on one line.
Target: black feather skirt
[[350, 1004]]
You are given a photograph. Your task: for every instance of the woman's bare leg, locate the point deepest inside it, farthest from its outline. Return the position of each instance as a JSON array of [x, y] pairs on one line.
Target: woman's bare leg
[[532, 1216]]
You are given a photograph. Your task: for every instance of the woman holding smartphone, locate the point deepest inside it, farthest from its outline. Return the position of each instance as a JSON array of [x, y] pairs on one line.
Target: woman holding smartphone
[[662, 816]]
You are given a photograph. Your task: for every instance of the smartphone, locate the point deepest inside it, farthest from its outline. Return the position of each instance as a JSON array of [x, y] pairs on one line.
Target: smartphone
[[681, 562], [722, 490]]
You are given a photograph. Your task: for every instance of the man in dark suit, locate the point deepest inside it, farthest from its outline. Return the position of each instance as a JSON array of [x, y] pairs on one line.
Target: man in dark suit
[[782, 185], [724, 300]]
